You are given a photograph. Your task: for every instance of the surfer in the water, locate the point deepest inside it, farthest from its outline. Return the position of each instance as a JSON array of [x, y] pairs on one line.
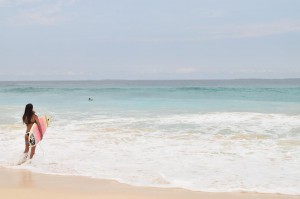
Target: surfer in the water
[[29, 118]]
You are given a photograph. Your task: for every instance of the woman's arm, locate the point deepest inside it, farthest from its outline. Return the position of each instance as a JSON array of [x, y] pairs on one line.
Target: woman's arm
[[36, 118]]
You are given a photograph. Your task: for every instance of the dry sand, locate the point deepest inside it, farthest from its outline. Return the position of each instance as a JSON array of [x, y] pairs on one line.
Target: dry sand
[[20, 184]]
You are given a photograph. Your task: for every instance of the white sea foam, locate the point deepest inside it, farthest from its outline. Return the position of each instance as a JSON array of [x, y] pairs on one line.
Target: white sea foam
[[225, 151]]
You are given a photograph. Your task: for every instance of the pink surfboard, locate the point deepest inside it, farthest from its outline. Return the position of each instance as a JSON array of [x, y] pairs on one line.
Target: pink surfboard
[[35, 136]]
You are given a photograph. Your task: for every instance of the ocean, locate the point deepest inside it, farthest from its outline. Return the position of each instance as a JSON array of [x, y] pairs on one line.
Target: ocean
[[202, 135]]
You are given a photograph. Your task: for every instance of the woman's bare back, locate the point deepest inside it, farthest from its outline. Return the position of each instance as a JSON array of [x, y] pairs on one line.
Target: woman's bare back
[[32, 121]]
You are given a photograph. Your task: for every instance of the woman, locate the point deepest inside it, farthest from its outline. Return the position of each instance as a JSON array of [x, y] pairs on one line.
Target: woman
[[29, 118]]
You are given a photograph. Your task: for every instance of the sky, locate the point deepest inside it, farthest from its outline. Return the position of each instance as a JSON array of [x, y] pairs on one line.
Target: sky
[[153, 39]]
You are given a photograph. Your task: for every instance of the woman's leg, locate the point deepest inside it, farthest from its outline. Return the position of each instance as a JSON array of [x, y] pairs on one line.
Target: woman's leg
[[26, 144], [32, 151]]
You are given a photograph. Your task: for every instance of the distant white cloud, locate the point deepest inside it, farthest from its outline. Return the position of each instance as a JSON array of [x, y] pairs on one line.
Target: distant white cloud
[[37, 12], [204, 33], [212, 13], [16, 2], [249, 30], [186, 70], [47, 15]]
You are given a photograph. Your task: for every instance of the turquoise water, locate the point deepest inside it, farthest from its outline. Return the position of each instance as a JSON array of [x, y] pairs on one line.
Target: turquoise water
[[216, 135], [274, 96]]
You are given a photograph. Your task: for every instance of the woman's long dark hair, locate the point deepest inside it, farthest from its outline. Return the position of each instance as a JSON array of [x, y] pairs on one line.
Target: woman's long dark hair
[[28, 114]]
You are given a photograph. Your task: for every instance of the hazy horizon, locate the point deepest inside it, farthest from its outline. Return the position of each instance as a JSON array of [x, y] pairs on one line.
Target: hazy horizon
[[75, 80]]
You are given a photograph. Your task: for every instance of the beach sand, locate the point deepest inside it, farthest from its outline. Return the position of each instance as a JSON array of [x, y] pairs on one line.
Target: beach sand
[[25, 184]]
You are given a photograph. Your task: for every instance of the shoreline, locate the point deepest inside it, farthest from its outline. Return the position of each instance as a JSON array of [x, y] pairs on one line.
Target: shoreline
[[26, 184]]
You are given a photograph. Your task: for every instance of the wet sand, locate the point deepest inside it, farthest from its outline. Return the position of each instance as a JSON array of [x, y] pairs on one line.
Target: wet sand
[[20, 184]]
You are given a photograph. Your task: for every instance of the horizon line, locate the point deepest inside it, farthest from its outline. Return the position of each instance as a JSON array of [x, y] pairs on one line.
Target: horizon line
[[233, 79]]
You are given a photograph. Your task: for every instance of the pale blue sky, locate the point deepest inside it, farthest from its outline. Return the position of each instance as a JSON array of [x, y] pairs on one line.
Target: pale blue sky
[[153, 39]]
